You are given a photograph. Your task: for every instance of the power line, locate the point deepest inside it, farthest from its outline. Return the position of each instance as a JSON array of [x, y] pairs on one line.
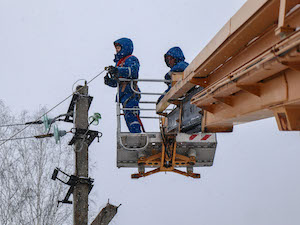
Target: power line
[[19, 138], [22, 124], [50, 109], [11, 125], [36, 136]]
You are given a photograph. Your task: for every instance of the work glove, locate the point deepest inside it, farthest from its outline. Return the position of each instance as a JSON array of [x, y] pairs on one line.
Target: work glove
[[106, 79], [112, 70]]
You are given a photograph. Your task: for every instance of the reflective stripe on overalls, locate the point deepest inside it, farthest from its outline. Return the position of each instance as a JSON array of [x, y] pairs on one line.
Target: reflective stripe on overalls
[[123, 85]]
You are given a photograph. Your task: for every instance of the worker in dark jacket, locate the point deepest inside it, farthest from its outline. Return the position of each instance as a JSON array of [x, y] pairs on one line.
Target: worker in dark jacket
[[174, 59], [127, 66]]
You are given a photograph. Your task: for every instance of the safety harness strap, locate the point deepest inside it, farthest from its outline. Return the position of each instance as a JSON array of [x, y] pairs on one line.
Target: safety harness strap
[[122, 61]]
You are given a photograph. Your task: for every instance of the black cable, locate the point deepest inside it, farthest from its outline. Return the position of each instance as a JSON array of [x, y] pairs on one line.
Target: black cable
[[36, 136], [11, 125], [22, 124], [10, 139]]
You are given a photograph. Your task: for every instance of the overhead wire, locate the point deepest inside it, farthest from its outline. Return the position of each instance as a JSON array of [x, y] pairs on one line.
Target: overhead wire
[[21, 124], [36, 136], [77, 82], [10, 138], [19, 138], [11, 125]]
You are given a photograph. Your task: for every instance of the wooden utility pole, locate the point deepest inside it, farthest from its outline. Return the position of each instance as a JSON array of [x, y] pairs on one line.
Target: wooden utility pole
[[81, 190]]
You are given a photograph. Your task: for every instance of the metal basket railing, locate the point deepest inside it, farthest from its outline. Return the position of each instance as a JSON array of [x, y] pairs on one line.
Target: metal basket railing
[[118, 108]]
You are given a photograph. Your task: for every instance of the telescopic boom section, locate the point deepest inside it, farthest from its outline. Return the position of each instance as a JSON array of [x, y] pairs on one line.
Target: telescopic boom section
[[250, 70]]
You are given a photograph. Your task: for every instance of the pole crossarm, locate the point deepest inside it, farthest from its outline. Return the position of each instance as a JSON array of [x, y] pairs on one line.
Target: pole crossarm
[[85, 135], [72, 182]]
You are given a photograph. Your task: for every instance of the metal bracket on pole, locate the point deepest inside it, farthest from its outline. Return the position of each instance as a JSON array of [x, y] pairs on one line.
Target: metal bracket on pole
[[88, 136], [72, 182], [71, 108]]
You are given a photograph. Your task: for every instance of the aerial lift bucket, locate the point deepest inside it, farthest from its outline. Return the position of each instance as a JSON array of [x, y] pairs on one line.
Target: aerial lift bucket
[[167, 150]]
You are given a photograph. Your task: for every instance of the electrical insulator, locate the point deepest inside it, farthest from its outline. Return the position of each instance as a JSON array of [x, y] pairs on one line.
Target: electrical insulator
[[58, 134], [47, 122], [94, 119]]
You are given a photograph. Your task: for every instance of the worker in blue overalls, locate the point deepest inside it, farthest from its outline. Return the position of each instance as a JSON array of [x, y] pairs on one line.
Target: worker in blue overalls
[[174, 59], [127, 66]]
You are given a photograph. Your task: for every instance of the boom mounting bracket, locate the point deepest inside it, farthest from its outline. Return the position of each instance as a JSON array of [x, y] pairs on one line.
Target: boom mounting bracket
[[167, 159]]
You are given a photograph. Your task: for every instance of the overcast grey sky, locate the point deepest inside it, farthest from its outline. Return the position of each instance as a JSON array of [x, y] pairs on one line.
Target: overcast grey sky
[[46, 45]]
